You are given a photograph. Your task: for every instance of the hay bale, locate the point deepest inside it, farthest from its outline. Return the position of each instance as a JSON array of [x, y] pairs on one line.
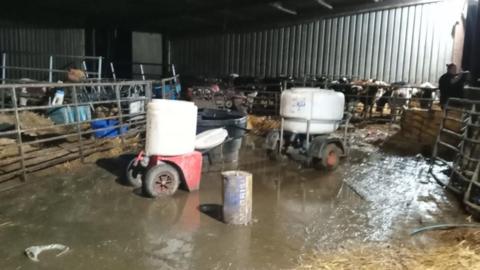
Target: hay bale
[[423, 126]]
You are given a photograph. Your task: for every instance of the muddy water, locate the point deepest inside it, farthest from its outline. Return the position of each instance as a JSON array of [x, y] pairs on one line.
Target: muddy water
[[372, 196]]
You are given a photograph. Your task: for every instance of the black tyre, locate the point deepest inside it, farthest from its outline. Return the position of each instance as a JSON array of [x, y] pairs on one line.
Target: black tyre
[[330, 157], [161, 180], [134, 174], [273, 155]]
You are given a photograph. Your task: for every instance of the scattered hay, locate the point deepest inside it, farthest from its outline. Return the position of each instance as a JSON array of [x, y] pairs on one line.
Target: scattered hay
[[261, 125], [8, 147], [459, 250], [31, 120]]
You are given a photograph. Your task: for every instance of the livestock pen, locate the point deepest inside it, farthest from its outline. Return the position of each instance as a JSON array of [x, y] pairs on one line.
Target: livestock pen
[[93, 114]]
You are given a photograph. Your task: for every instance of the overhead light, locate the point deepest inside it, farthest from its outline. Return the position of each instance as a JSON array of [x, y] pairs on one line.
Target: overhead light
[[279, 6], [325, 4]]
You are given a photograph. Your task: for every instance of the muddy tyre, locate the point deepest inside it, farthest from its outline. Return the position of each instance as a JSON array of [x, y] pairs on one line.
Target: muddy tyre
[[134, 174], [161, 180], [330, 157], [273, 155]]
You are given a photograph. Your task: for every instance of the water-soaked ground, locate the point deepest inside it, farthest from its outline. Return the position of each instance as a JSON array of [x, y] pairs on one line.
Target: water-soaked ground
[[372, 196]]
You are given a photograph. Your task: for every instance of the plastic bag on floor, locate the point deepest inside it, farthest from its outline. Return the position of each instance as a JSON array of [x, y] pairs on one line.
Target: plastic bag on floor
[[33, 251]]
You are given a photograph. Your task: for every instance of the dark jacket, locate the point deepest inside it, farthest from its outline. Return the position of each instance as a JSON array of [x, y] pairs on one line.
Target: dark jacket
[[449, 88]]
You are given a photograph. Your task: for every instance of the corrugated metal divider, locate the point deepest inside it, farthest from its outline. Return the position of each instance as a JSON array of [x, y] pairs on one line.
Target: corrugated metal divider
[[30, 42], [411, 43]]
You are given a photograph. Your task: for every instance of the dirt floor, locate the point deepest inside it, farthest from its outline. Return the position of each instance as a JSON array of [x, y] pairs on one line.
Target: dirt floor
[[374, 198]]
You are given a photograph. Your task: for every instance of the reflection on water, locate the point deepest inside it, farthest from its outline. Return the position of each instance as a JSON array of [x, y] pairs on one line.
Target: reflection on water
[[371, 197]]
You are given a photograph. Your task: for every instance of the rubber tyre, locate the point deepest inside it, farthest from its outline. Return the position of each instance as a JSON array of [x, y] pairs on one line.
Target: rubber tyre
[[330, 157], [134, 174], [273, 155], [161, 180]]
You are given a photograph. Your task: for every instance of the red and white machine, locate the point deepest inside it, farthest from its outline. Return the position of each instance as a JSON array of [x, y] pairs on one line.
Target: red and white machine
[[162, 175]]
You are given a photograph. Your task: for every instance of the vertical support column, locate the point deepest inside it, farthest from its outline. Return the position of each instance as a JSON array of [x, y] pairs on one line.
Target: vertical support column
[[307, 143], [19, 135], [4, 77], [4, 67], [148, 92], [112, 68], [165, 55], [50, 69], [99, 71], [120, 113], [163, 89], [77, 121], [280, 144], [84, 65], [142, 72]]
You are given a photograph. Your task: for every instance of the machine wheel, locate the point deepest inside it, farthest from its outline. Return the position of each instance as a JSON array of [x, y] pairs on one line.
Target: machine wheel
[[134, 174], [274, 155], [229, 104], [161, 180], [330, 157]]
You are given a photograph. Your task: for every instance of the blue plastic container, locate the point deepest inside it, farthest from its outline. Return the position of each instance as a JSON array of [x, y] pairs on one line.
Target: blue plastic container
[[68, 114], [171, 91], [109, 132]]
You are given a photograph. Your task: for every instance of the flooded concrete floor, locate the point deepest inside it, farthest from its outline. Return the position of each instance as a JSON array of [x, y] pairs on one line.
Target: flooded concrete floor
[[371, 197]]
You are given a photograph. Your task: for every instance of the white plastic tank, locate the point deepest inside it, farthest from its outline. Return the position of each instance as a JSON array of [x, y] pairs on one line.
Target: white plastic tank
[[171, 127], [323, 107]]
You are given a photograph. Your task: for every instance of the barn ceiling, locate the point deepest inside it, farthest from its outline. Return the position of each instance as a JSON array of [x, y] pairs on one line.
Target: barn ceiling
[[179, 16]]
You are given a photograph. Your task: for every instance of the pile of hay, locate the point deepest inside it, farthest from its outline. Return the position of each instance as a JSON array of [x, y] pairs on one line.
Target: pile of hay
[[31, 120], [457, 251], [261, 125]]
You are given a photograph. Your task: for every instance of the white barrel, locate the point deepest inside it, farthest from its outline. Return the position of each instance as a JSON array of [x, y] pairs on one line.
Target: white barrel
[[171, 127], [323, 107]]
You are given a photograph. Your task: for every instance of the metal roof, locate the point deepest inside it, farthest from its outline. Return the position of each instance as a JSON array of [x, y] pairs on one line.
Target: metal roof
[[181, 16]]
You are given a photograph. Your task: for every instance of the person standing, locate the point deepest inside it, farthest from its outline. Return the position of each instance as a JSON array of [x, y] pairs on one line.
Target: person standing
[[451, 84]]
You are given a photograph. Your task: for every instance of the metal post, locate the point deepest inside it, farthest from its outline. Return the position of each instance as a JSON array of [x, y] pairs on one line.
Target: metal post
[[307, 143], [163, 90], [120, 113], [84, 65], [99, 71], [50, 69], [148, 92], [19, 135], [112, 68], [4, 75], [142, 72], [4, 67], [77, 120], [281, 136]]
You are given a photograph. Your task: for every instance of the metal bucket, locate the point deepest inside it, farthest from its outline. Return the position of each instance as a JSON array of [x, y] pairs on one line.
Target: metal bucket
[[237, 197]]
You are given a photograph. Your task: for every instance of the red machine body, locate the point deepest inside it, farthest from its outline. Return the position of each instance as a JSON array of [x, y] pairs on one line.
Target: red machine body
[[189, 166]]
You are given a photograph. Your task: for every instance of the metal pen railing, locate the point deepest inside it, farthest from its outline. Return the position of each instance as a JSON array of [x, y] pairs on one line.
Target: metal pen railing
[[71, 139], [51, 70], [461, 143]]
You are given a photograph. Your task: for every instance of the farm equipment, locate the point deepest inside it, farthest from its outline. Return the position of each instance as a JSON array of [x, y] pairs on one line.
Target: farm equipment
[[309, 117], [162, 175]]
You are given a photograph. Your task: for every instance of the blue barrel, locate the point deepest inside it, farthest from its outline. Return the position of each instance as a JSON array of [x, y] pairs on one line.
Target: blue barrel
[[237, 197]]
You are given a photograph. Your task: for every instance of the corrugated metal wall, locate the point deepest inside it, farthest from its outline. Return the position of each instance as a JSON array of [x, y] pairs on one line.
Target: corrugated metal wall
[[147, 48], [411, 43], [24, 46]]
